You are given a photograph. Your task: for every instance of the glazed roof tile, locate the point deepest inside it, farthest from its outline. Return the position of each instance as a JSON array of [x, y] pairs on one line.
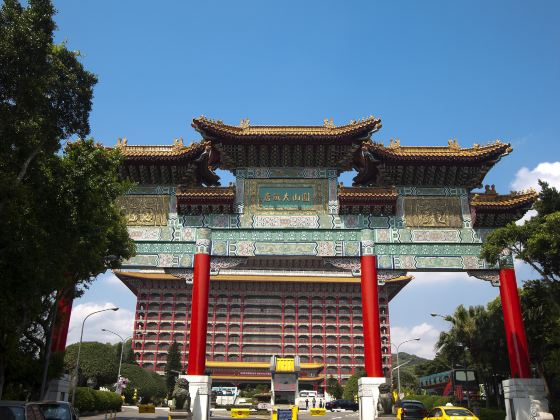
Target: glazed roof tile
[[491, 200], [367, 193], [207, 193], [328, 130], [175, 150], [452, 151]]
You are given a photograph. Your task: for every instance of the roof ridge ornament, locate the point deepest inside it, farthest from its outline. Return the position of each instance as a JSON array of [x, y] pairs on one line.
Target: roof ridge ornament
[[122, 142], [245, 123], [394, 144], [328, 123], [178, 143], [453, 144], [490, 189]]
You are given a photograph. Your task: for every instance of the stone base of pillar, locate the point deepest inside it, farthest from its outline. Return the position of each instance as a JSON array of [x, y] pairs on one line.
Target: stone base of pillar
[[200, 389], [58, 389], [368, 393], [525, 399]]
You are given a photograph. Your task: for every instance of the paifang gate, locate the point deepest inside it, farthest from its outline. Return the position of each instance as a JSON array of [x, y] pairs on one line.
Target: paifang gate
[[286, 261]]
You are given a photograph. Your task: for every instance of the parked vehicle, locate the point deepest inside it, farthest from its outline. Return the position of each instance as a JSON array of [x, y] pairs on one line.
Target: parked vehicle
[[57, 410], [450, 413], [20, 410], [411, 410], [342, 404]]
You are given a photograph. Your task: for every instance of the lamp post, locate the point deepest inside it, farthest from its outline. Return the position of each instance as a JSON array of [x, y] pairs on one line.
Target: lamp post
[[80, 348], [122, 350], [399, 366]]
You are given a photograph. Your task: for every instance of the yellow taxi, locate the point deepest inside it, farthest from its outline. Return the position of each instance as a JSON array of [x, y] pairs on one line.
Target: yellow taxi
[[450, 413]]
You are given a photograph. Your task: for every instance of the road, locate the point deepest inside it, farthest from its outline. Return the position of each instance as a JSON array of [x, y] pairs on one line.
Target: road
[[129, 413]]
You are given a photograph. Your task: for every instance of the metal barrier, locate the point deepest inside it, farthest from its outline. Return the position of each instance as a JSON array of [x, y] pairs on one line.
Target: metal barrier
[[146, 408], [318, 411], [285, 413], [239, 412]]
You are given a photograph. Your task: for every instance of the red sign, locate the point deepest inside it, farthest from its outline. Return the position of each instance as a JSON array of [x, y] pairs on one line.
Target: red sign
[[459, 393]]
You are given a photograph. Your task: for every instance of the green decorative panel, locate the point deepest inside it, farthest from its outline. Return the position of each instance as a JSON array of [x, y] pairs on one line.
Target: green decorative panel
[[152, 190], [439, 262], [164, 247], [427, 249], [264, 248], [285, 235], [436, 191]]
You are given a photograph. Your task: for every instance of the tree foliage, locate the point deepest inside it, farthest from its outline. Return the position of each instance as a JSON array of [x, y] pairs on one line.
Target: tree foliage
[[477, 339], [60, 220], [537, 241], [151, 386], [351, 388], [334, 388], [97, 360], [173, 365]]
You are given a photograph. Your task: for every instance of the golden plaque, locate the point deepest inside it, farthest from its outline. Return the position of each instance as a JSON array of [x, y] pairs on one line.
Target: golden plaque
[[433, 212]]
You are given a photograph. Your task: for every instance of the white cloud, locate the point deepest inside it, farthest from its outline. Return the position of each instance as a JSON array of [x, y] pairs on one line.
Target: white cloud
[[528, 178], [120, 322], [427, 333], [424, 278]]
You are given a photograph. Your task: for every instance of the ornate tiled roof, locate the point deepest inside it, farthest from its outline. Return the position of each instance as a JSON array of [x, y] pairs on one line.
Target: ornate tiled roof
[[494, 210], [367, 200], [450, 153], [176, 164], [432, 166], [202, 200], [355, 131], [178, 149], [513, 200]]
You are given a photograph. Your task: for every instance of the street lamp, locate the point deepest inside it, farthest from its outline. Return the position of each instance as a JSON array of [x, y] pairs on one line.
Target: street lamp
[[80, 348], [399, 366], [122, 349]]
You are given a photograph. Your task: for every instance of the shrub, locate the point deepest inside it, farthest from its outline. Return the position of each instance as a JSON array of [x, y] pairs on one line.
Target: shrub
[[102, 400], [492, 414], [430, 401], [150, 385], [88, 400], [85, 401]]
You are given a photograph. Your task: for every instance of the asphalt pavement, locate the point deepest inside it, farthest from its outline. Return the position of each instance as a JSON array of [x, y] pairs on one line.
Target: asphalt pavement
[[131, 413]]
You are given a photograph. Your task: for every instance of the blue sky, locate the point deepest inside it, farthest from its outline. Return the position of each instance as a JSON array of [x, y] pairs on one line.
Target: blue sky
[[475, 71]]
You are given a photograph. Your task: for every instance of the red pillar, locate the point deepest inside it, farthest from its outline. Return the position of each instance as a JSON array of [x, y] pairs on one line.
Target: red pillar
[[513, 322], [62, 322], [199, 306], [370, 312]]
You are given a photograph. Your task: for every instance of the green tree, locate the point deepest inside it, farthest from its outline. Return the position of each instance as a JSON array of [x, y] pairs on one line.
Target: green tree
[[173, 365], [541, 315], [97, 360], [351, 388], [128, 353], [334, 388], [536, 242], [60, 220], [151, 386]]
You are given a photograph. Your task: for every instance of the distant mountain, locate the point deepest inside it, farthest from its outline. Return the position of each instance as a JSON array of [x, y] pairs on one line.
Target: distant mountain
[[414, 360]]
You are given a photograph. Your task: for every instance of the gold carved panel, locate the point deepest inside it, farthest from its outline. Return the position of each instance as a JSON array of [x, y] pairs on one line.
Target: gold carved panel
[[145, 210], [286, 196], [433, 212]]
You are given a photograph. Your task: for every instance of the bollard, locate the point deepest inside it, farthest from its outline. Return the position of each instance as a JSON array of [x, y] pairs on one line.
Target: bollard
[[239, 412], [318, 411]]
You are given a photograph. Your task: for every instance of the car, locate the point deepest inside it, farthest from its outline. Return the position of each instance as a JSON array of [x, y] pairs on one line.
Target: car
[[450, 412], [20, 410], [342, 404], [57, 410], [411, 410]]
